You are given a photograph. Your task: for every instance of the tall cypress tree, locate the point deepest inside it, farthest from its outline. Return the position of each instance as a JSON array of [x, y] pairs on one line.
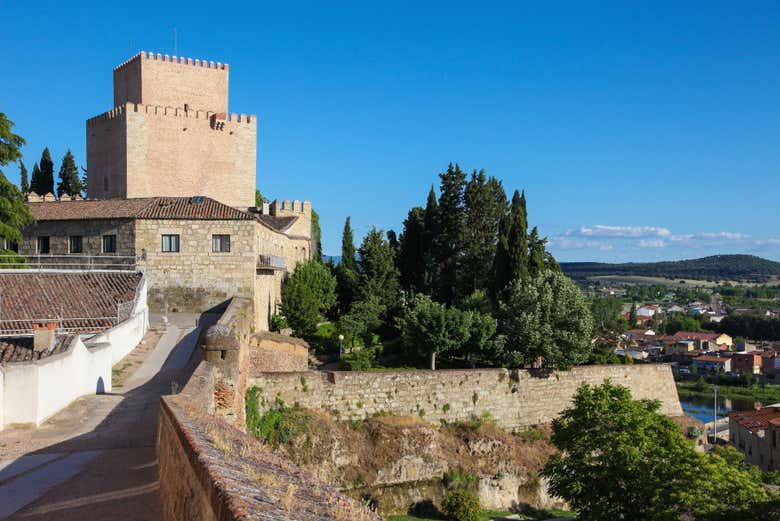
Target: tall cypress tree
[[47, 173], [430, 232], [485, 203], [411, 255], [69, 183], [377, 274], [537, 258], [346, 274], [517, 238], [25, 184], [499, 271], [448, 245], [35, 180]]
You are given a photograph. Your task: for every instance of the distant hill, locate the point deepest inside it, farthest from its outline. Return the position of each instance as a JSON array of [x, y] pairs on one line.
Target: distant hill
[[747, 268]]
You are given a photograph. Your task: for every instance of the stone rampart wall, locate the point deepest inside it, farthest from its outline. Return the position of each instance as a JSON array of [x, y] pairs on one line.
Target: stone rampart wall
[[270, 352], [210, 470], [515, 399]]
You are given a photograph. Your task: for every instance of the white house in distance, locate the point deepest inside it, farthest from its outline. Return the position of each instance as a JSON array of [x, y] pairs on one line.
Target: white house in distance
[[60, 334]]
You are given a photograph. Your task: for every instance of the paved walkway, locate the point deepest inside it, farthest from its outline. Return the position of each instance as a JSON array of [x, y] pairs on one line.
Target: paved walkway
[[96, 458]]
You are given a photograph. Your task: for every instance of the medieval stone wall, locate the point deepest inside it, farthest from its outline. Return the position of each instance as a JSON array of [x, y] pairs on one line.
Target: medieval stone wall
[[189, 275], [172, 81], [514, 399], [270, 352], [91, 231], [149, 150]]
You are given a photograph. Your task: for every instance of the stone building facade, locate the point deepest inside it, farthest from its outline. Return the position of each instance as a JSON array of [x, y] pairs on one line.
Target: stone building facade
[[196, 252], [756, 434], [170, 134]]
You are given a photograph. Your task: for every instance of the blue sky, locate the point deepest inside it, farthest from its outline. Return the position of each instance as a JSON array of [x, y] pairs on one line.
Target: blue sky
[[639, 130]]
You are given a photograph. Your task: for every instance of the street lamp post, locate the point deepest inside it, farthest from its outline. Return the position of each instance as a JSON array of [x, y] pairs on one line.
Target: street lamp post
[[341, 346]]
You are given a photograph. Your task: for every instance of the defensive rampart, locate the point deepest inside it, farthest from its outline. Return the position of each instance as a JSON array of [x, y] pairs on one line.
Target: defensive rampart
[[515, 399], [209, 469]]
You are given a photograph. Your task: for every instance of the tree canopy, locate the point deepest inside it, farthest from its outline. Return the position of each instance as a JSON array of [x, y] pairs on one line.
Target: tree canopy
[[546, 316], [69, 183], [620, 459], [14, 214], [306, 295]]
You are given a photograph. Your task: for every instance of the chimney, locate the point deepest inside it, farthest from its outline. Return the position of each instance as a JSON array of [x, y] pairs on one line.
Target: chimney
[[44, 336]]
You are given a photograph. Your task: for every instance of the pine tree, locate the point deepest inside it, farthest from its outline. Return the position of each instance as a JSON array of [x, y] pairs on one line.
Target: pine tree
[[377, 274], [69, 183], [25, 184], [517, 238], [411, 255], [35, 180], [448, 245], [14, 214], [485, 203], [47, 173]]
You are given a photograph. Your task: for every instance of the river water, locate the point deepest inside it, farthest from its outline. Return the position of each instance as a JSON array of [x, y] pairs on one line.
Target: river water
[[703, 410]]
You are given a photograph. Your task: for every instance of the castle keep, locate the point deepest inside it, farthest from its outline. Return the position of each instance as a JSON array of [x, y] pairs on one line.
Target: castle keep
[[170, 134], [171, 191]]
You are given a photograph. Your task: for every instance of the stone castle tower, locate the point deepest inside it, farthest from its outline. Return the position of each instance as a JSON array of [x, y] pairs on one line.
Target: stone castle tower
[[170, 134]]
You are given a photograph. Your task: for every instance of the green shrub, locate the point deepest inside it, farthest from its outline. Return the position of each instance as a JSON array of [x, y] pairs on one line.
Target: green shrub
[[461, 505], [278, 322], [277, 426], [459, 479], [532, 434], [252, 408]]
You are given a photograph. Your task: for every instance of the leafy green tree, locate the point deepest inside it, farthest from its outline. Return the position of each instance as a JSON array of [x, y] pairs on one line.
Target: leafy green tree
[[679, 322], [448, 243], [306, 295], [537, 260], [25, 181], [608, 314], [377, 274], [632, 316], [362, 320], [433, 328], [35, 181], [499, 270], [258, 198], [482, 344], [14, 214], [546, 316], [47, 173], [316, 236], [411, 254], [485, 204], [70, 183], [620, 459]]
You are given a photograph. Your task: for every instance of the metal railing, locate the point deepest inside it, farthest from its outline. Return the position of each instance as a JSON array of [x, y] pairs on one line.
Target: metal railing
[[68, 262], [272, 262], [25, 327]]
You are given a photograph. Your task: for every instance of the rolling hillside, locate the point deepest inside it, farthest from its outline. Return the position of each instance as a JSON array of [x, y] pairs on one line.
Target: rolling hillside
[[746, 268]]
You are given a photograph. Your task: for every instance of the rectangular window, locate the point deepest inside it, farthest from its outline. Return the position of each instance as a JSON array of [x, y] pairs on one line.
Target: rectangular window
[[220, 243], [76, 244], [170, 243], [43, 245], [109, 244]]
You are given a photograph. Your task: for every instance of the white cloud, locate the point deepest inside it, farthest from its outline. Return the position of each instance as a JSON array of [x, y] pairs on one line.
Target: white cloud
[[601, 230], [723, 235], [658, 243], [578, 244]]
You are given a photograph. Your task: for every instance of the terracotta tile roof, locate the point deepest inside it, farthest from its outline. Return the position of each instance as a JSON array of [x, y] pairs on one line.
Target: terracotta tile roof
[[194, 208], [705, 358], [758, 420], [689, 335], [86, 300], [20, 349], [280, 224]]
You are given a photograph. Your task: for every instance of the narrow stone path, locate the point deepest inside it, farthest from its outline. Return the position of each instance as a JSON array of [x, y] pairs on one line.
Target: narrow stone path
[[96, 458]]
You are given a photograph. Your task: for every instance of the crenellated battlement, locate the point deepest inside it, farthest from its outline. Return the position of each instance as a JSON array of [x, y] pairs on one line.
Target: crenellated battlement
[[285, 207], [161, 111], [179, 60]]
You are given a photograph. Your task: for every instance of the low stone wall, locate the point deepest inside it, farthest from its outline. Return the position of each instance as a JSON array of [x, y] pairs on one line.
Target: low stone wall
[[271, 352], [210, 470], [515, 399]]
